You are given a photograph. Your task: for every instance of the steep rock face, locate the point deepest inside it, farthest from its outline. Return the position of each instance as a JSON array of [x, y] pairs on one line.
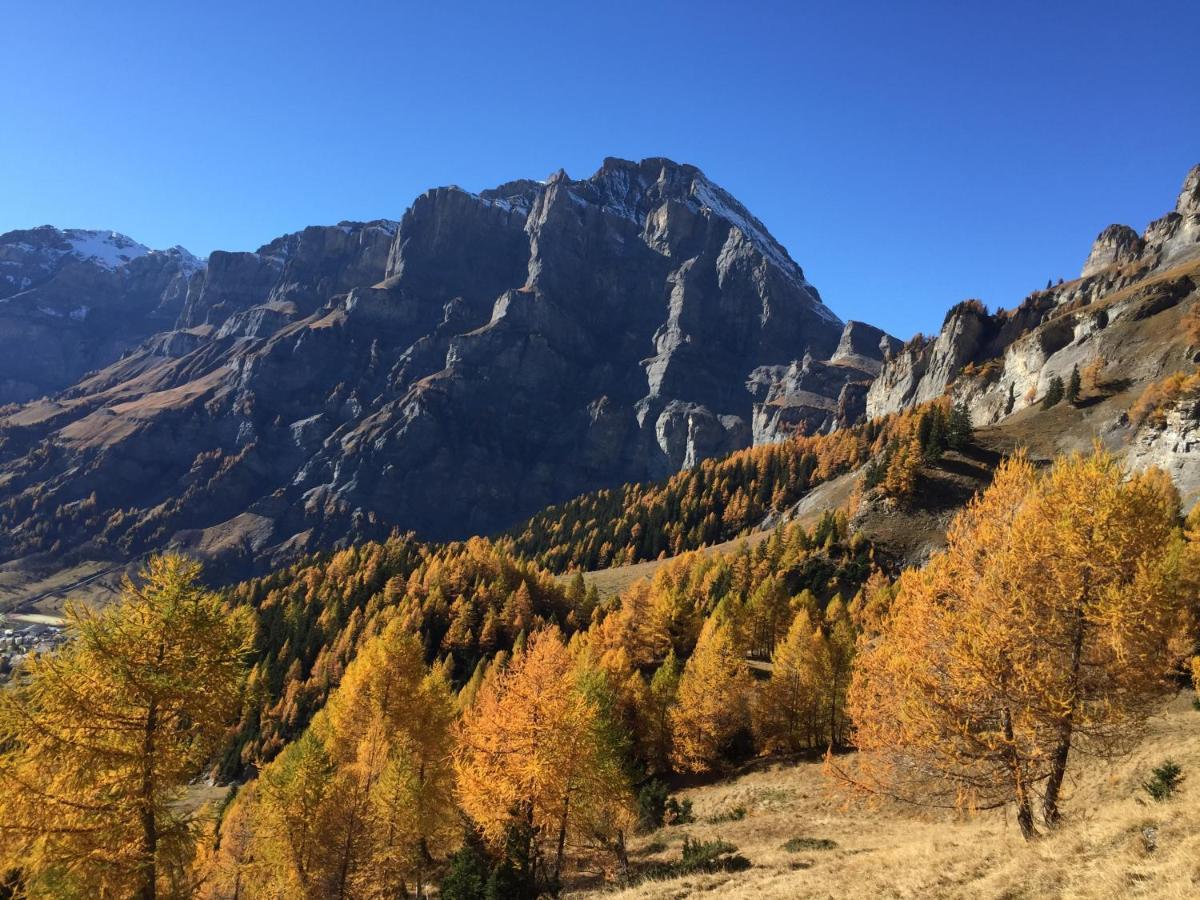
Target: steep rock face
[[864, 347], [491, 354], [810, 396], [1173, 447], [922, 369], [75, 300], [1176, 236]]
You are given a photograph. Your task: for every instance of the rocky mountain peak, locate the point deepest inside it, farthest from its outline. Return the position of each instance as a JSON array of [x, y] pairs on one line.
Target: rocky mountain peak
[[75, 299], [1176, 236], [489, 354], [1116, 244]]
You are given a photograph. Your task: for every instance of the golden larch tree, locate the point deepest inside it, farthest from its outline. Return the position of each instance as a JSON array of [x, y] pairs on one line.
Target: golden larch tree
[[532, 754], [362, 804], [788, 708], [1049, 623], [103, 736], [713, 700]]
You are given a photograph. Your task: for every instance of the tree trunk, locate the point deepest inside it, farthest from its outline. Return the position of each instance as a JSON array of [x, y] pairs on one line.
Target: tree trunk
[[1020, 789], [147, 889], [1066, 728], [347, 852], [529, 865], [622, 858], [833, 712], [1058, 769], [562, 839]]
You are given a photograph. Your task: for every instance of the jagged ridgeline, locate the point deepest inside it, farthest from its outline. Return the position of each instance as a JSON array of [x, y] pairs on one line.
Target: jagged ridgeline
[[493, 354]]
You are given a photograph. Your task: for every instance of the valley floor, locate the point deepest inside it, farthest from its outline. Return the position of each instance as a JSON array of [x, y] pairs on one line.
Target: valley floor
[[1104, 851]]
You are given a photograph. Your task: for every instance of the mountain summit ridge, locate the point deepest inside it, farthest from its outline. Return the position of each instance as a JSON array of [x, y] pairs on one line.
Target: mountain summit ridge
[[487, 355]]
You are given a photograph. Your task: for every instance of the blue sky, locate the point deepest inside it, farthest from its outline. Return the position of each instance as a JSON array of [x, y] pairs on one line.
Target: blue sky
[[909, 155]]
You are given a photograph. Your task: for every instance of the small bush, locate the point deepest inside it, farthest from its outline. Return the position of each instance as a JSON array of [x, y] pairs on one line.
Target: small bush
[[1164, 781], [652, 805], [730, 815], [800, 844], [467, 874], [697, 856], [1158, 397], [710, 856], [678, 813]]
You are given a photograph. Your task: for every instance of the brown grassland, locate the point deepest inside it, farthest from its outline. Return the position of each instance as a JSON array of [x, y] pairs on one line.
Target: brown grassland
[[1116, 843]]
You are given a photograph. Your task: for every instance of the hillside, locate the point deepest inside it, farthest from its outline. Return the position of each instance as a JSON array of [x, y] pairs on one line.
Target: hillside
[[906, 534], [1104, 852]]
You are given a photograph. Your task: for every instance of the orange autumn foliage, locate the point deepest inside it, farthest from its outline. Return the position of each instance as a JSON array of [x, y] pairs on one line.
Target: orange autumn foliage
[[1048, 625]]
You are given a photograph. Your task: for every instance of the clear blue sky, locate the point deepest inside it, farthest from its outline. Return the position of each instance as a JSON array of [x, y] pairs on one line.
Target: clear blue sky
[[909, 154]]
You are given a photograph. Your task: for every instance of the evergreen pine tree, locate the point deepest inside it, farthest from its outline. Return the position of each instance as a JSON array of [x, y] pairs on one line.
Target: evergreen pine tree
[[958, 427], [1054, 393], [469, 871], [1073, 386]]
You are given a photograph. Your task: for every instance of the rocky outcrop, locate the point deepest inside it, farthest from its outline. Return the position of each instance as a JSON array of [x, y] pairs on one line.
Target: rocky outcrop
[[810, 396], [1000, 363], [72, 301], [1176, 236], [1174, 447], [1116, 245], [489, 355], [252, 294], [922, 369], [864, 347]]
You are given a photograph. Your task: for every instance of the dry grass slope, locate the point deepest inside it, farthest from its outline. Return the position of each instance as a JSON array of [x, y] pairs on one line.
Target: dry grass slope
[[1104, 851]]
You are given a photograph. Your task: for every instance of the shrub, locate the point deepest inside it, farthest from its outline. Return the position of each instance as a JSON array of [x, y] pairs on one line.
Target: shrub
[[652, 805], [1164, 781], [678, 813], [730, 815], [467, 873], [698, 856], [799, 844], [1155, 399], [710, 856]]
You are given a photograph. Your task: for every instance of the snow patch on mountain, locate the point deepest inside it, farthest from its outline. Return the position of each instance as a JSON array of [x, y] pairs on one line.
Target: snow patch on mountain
[[108, 249], [720, 203]]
